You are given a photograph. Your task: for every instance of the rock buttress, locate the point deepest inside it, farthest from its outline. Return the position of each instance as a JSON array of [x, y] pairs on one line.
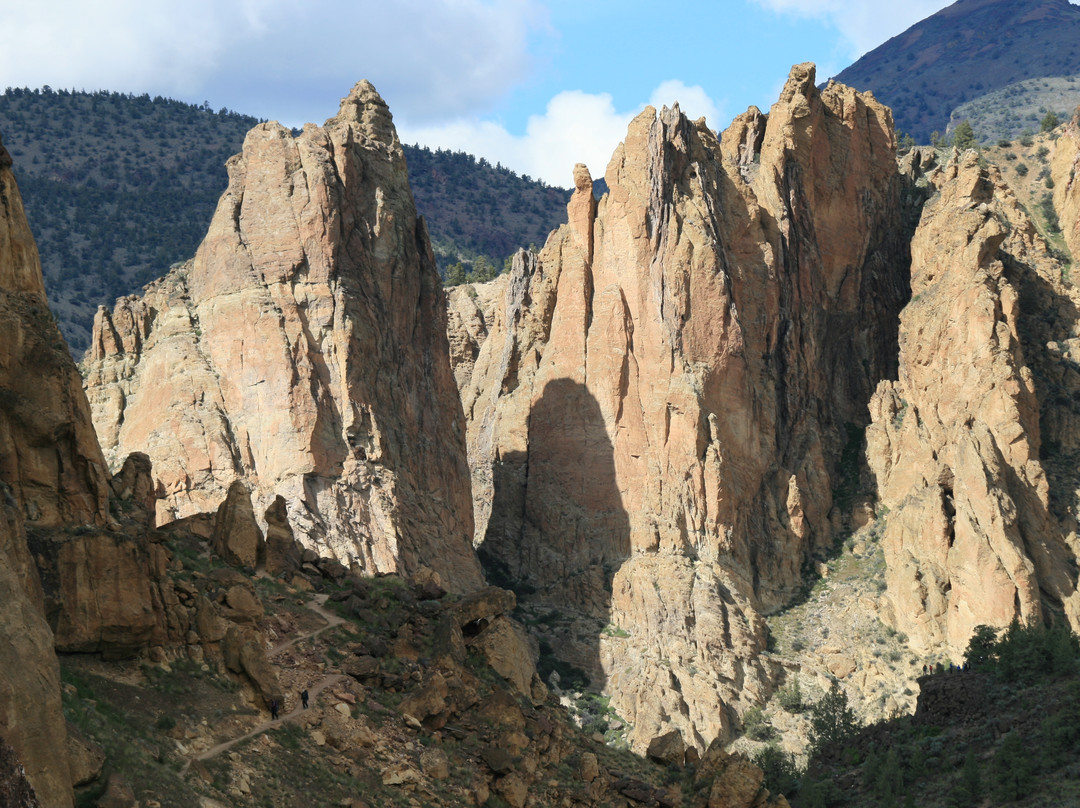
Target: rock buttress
[[985, 392], [663, 393], [304, 352]]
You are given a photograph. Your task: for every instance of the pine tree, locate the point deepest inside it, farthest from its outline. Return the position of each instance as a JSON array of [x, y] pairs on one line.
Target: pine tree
[[832, 721], [964, 136]]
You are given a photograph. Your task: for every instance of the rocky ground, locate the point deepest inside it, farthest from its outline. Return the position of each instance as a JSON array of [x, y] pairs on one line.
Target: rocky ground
[[417, 698]]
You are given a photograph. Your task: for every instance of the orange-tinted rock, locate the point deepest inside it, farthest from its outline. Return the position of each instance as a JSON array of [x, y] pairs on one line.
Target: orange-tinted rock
[[657, 411], [955, 441], [282, 552], [31, 719], [99, 586], [48, 451], [237, 537], [132, 489], [51, 473], [304, 352], [1064, 166]]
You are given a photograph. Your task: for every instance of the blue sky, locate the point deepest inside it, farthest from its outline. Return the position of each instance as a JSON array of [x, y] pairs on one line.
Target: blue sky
[[534, 84]]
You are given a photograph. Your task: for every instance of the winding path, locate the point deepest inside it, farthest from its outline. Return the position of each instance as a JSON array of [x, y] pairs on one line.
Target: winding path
[[318, 606]]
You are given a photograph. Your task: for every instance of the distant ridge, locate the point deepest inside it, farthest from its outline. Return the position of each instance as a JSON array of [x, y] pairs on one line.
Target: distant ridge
[[966, 51]]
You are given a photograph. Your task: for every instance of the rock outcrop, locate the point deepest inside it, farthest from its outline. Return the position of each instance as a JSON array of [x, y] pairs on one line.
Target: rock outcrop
[[303, 352], [956, 441], [50, 471], [49, 453], [657, 413], [30, 716], [1064, 166]]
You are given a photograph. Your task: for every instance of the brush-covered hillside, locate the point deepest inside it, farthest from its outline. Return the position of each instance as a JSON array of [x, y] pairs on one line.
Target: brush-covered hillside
[[964, 52]]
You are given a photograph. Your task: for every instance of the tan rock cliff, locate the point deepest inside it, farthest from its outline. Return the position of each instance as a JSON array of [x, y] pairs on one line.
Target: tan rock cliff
[[50, 471], [303, 351], [955, 442], [661, 399], [30, 716], [1064, 166]]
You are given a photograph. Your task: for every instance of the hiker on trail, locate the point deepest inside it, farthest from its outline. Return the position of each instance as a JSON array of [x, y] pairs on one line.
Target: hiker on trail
[[273, 709], [304, 698]]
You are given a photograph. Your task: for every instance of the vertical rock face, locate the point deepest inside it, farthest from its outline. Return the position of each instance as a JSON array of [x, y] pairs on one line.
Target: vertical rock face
[[30, 716], [657, 412], [955, 441], [303, 352], [50, 471], [48, 451], [1064, 166]]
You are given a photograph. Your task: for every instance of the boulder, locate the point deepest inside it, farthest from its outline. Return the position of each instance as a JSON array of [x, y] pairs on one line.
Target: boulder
[[509, 651], [237, 537], [668, 748], [133, 491], [282, 552], [244, 653], [85, 758]]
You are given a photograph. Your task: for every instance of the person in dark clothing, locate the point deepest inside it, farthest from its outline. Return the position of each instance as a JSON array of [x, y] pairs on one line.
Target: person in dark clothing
[[273, 709], [304, 698]]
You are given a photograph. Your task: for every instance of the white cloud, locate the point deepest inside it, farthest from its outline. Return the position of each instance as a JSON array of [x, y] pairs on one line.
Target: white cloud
[[428, 57], [576, 127], [864, 25]]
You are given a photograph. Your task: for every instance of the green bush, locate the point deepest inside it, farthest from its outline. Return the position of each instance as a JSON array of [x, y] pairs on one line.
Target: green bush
[[781, 772], [1013, 771], [982, 647], [832, 721], [755, 726], [964, 136], [790, 697]]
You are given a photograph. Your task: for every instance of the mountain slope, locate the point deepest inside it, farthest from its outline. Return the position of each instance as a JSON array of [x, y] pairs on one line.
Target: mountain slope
[[965, 51], [118, 187]]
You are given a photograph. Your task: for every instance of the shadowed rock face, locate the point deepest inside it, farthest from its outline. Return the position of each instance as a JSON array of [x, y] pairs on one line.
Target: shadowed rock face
[[303, 352], [985, 381], [48, 450], [50, 471], [657, 411]]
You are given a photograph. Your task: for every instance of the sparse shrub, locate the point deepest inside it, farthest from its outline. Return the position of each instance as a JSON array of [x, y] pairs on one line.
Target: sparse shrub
[[755, 726], [781, 771], [165, 722], [1004, 144], [1022, 169], [1026, 139], [1046, 204], [1041, 153], [790, 697]]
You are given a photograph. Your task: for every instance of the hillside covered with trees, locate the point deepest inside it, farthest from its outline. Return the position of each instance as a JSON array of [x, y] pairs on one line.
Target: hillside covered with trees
[[118, 187], [964, 52]]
